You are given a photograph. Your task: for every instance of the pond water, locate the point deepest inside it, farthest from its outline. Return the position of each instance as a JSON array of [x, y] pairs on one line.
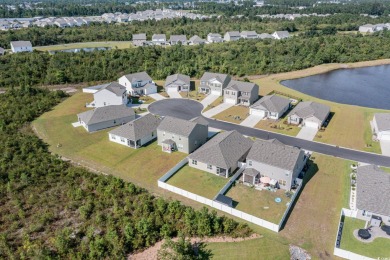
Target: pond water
[[367, 87]]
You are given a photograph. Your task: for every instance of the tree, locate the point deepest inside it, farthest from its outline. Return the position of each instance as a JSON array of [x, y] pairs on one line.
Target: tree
[[183, 249]]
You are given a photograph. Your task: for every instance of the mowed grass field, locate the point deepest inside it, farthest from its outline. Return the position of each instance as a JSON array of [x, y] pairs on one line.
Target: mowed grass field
[[379, 248], [111, 44], [350, 125]]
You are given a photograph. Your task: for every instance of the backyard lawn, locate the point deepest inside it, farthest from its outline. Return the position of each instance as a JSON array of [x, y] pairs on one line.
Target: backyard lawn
[[111, 44], [234, 114], [278, 127], [199, 182], [258, 203], [379, 248]]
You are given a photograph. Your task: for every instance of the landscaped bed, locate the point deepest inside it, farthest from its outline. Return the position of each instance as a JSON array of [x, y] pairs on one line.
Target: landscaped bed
[[379, 248], [258, 203], [199, 182], [235, 114]]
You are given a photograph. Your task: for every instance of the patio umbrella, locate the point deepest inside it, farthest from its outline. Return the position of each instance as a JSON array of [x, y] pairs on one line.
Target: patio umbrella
[[265, 179]]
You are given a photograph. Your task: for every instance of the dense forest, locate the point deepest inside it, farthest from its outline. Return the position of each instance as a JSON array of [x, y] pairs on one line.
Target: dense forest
[[51, 209], [245, 57]]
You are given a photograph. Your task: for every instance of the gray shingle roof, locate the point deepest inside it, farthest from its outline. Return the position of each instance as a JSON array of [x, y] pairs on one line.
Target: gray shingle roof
[[138, 128], [383, 121], [373, 190], [200, 120], [103, 114], [2, 50], [224, 150], [177, 126], [265, 36], [274, 153], [17, 44], [139, 76], [178, 38], [248, 33], [159, 37], [241, 86], [309, 108], [196, 39], [178, 78], [139, 37], [251, 172], [282, 34], [214, 35], [115, 88], [271, 103], [218, 76], [234, 34]]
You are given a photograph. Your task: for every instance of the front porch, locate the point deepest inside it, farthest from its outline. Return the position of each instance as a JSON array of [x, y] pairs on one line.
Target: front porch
[[244, 101], [134, 144], [168, 146], [204, 90]]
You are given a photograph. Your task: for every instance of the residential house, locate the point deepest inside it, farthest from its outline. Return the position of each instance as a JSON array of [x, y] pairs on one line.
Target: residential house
[[176, 39], [249, 35], [111, 94], [279, 35], [214, 37], [182, 135], [136, 133], [221, 154], [280, 164], [159, 39], [367, 28], [270, 106], [21, 46], [309, 113], [381, 126], [177, 82], [213, 83], [232, 36], [104, 117], [139, 39], [138, 84], [196, 40], [241, 93], [263, 36], [373, 193], [2, 51]]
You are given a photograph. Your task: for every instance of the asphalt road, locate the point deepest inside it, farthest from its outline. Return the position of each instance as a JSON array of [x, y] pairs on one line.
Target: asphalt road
[[188, 109]]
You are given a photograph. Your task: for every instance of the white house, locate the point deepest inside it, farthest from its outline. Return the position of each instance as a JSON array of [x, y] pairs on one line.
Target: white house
[[177, 82], [21, 46], [2, 51], [309, 113], [381, 126], [159, 39], [214, 37], [270, 106], [249, 35], [367, 28], [279, 35], [112, 94], [232, 36], [138, 84]]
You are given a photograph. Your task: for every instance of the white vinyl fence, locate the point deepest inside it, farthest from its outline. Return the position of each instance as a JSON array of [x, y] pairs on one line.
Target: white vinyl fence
[[290, 205]]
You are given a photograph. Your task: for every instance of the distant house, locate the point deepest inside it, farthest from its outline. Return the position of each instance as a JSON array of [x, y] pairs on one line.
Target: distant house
[[263, 36], [221, 154], [174, 134], [279, 35], [213, 83], [159, 39], [232, 36], [177, 82], [2, 51], [309, 113], [249, 35], [367, 28], [136, 133], [214, 37], [176, 39], [381, 126], [281, 163], [21, 46], [241, 93], [111, 94], [105, 117], [138, 84], [139, 39], [270, 106], [373, 193], [196, 40]]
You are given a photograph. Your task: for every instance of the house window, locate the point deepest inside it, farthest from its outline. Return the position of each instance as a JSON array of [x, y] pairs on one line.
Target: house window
[[194, 162], [209, 166], [114, 121], [113, 137], [179, 138], [196, 142], [250, 163], [287, 174], [173, 137], [122, 139], [152, 134], [282, 182], [227, 92], [180, 146], [164, 134], [104, 103]]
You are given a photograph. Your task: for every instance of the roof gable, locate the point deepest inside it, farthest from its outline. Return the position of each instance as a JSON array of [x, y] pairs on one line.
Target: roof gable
[[177, 126], [272, 103]]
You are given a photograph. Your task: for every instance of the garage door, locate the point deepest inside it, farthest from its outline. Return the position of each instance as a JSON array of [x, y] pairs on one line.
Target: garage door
[[230, 101], [311, 124], [215, 92], [257, 112], [385, 136]]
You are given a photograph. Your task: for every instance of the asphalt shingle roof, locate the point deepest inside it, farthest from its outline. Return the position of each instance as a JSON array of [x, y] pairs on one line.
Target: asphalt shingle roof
[[139, 76], [140, 36], [200, 120], [115, 88], [383, 121], [248, 33], [272, 103], [273, 152], [218, 76], [373, 190], [17, 44], [309, 108], [234, 34], [138, 128], [177, 126], [178, 38], [282, 34], [265, 36], [159, 37], [178, 78], [224, 150], [241, 86], [103, 114], [196, 39]]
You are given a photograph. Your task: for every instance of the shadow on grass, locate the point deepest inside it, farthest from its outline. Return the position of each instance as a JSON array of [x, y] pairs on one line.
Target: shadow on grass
[[312, 170]]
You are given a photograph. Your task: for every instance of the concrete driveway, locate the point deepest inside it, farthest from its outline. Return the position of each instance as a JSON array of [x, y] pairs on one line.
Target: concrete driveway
[[157, 96], [174, 94], [385, 147], [208, 100], [251, 120], [216, 110], [307, 133]]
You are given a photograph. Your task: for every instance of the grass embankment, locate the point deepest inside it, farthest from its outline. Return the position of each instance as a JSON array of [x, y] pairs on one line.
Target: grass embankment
[[110, 44], [350, 125]]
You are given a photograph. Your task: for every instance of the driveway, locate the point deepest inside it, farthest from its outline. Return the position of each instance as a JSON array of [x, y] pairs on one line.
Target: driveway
[[251, 120], [157, 96], [385, 147], [208, 100], [216, 110], [174, 94], [307, 133]]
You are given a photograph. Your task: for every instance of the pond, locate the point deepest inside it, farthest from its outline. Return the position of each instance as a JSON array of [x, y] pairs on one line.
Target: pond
[[367, 87]]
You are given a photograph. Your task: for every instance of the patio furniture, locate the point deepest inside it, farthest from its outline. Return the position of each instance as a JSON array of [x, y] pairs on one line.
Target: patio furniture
[[364, 234]]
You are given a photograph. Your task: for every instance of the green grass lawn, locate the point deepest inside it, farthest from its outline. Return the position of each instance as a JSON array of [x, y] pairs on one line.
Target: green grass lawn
[[199, 182], [258, 203], [379, 248], [278, 127], [234, 114], [111, 44]]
